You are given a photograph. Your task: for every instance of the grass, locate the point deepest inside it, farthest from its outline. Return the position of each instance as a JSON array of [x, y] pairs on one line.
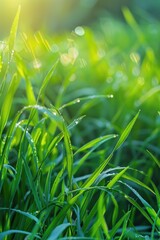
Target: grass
[[78, 158]]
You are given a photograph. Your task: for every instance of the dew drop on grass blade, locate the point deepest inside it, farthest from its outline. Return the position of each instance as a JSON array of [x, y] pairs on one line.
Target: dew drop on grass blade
[[116, 178]]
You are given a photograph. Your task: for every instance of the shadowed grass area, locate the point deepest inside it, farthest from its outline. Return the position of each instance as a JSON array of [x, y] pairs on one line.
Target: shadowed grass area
[[80, 127]]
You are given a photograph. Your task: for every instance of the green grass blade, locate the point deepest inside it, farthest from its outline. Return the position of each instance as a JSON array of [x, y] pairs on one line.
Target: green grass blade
[[7, 104], [141, 209], [118, 224], [78, 100], [148, 207], [9, 232], [133, 24], [33, 148], [138, 182], [116, 178], [26, 214], [126, 132], [154, 158], [58, 231], [115, 210], [95, 142], [148, 94], [46, 80], [56, 182], [32, 184], [56, 221], [101, 217], [13, 33], [92, 178], [96, 173]]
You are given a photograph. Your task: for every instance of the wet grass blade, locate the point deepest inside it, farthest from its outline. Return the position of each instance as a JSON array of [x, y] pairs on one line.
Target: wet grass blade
[[26, 214], [78, 100], [95, 142], [116, 178]]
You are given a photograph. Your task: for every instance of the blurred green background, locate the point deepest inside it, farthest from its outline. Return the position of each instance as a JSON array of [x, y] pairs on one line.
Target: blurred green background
[[61, 15]]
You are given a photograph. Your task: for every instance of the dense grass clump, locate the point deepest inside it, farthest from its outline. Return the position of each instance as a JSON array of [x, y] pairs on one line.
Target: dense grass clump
[[80, 127]]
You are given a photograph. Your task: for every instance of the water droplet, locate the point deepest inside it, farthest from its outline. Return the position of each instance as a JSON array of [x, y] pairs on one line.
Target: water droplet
[[76, 121], [110, 96], [37, 64], [79, 31], [2, 45], [78, 100]]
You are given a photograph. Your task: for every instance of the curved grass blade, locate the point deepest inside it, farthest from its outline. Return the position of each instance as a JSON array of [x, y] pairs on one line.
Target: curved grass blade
[[97, 172], [147, 206], [33, 147], [78, 100], [101, 212], [124, 227], [56, 182], [13, 33], [116, 178], [95, 142], [31, 183], [134, 203], [69, 155], [133, 24], [154, 158], [126, 132], [26, 214], [46, 80], [75, 122], [58, 231], [138, 182], [5, 111], [154, 225], [147, 95], [122, 220], [9, 232], [116, 209]]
